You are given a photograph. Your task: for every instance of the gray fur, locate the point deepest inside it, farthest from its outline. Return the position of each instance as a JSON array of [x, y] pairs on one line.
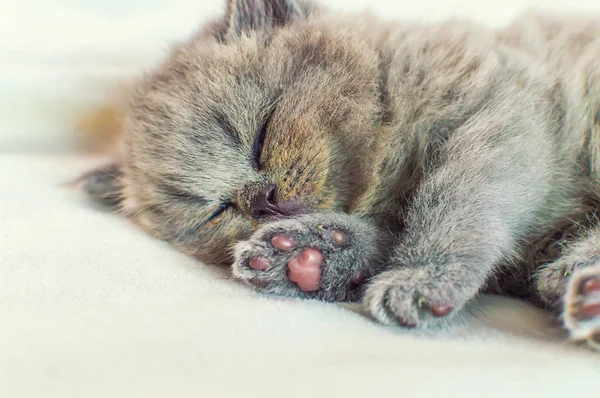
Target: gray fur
[[450, 148]]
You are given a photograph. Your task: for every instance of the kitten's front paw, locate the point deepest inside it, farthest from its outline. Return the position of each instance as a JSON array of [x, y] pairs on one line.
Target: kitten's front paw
[[582, 306], [414, 298], [307, 257], [552, 280]]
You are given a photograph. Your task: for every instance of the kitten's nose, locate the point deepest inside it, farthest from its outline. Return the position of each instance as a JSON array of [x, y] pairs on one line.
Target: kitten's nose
[[267, 203]]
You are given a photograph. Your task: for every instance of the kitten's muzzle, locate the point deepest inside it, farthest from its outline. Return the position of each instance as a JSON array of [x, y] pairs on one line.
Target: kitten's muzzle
[[266, 203]]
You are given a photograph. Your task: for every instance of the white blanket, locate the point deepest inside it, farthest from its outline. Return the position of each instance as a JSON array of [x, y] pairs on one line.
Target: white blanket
[[92, 307]]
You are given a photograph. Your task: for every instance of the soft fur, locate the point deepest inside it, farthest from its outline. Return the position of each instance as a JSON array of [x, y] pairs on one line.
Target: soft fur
[[454, 157]]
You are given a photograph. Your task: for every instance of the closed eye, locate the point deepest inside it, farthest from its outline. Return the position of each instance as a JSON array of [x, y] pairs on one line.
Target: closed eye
[[259, 141], [221, 207]]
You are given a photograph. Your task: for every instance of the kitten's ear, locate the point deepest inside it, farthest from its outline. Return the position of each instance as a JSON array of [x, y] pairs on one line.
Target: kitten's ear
[[104, 185], [246, 16]]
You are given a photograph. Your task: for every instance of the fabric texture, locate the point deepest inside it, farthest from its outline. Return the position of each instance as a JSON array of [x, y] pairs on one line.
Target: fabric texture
[[91, 306]]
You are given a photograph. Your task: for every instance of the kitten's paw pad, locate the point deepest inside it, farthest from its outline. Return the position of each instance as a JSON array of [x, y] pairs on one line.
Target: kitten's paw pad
[[295, 258], [582, 306], [283, 242], [591, 285], [441, 310], [305, 270], [405, 298], [259, 263]]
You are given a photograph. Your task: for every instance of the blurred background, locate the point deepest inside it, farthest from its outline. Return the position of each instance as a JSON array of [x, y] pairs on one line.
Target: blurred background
[[63, 62]]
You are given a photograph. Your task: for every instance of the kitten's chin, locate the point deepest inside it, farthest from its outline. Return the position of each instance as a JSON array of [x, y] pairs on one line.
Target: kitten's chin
[[283, 211], [292, 208]]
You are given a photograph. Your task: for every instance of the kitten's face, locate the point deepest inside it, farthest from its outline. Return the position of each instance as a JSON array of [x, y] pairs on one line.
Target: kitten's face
[[231, 134]]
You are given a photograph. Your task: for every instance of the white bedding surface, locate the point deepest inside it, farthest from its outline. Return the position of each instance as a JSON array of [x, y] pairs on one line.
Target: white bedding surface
[[90, 306]]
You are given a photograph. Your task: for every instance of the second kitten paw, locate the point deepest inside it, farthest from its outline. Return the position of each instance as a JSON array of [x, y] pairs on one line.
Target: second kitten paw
[[414, 298], [581, 313]]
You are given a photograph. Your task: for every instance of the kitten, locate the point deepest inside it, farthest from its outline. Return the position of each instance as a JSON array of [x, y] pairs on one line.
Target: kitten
[[406, 165]]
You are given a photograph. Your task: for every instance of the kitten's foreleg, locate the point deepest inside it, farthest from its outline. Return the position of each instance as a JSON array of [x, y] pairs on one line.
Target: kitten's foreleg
[[491, 182]]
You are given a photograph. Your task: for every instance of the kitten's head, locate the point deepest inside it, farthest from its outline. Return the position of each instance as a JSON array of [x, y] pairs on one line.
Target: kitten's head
[[268, 113]]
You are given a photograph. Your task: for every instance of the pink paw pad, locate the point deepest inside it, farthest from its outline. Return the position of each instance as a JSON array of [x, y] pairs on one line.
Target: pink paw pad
[[591, 286], [590, 306], [440, 311], [305, 270], [259, 264], [340, 237], [588, 310], [358, 277], [283, 242]]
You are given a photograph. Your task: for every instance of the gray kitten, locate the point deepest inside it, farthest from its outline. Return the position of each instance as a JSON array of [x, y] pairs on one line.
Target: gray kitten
[[410, 166]]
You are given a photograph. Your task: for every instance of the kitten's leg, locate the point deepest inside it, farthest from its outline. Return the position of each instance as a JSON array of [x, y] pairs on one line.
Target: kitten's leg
[[324, 256], [489, 190], [571, 287]]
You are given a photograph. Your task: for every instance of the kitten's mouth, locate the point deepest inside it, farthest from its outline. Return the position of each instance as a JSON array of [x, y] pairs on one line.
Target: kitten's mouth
[[287, 209], [267, 204]]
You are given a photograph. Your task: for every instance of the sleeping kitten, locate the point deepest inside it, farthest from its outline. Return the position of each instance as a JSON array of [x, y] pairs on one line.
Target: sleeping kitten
[[409, 166]]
